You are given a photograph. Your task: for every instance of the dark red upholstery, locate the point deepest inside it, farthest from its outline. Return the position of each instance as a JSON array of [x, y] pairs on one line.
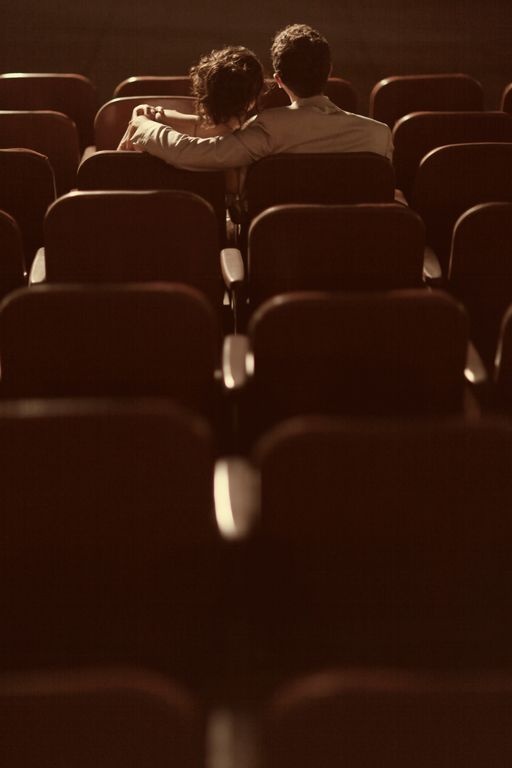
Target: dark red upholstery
[[138, 170], [480, 272], [392, 717], [27, 187], [73, 95], [416, 135], [397, 96], [11, 255], [335, 247], [110, 551], [149, 85], [113, 117], [452, 179], [99, 718], [98, 237], [49, 133], [110, 341]]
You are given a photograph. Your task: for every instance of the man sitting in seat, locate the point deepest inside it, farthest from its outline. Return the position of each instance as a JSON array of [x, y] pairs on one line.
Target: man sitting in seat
[[301, 59]]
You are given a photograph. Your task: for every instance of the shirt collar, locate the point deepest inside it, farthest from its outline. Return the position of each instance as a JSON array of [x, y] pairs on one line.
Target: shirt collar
[[320, 100]]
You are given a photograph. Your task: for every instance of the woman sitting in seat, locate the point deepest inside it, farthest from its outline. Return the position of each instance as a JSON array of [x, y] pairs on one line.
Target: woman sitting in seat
[[226, 84]]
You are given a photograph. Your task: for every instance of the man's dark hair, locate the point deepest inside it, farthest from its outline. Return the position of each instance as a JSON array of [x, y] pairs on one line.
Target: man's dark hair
[[302, 58], [225, 84]]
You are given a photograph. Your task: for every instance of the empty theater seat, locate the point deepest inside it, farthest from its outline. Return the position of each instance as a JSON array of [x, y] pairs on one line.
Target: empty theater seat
[[110, 551], [506, 99], [503, 362], [454, 178], [329, 247], [381, 542], [132, 236], [400, 352], [393, 718], [416, 135], [11, 255], [110, 341], [350, 177], [107, 170], [480, 272], [27, 187], [99, 718], [400, 95], [73, 95], [149, 85], [49, 133]]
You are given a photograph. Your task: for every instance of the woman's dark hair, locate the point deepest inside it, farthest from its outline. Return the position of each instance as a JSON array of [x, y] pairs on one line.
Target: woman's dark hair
[[302, 58], [226, 83]]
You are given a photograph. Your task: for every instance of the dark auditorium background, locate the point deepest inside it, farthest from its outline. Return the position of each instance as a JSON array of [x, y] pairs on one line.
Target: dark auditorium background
[[108, 40]]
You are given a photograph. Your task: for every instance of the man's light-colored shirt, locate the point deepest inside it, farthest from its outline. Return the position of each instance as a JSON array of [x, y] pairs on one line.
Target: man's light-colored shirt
[[313, 125]]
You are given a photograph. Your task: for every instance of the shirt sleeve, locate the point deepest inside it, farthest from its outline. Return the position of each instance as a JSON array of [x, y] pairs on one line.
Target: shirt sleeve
[[202, 154]]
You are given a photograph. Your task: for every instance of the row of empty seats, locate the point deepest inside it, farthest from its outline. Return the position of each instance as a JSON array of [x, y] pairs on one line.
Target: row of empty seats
[[391, 538], [118, 718], [290, 248], [449, 180], [391, 98]]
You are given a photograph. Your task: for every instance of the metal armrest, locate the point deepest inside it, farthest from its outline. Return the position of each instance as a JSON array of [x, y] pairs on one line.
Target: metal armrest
[[38, 269], [475, 371], [233, 272], [431, 266], [232, 267], [400, 197], [88, 151], [237, 497], [236, 361]]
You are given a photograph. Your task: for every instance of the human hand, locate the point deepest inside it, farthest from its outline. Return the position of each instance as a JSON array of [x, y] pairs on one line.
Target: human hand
[[150, 112]]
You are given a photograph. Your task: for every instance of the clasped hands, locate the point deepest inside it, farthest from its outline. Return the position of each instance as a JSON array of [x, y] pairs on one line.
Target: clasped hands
[[141, 112]]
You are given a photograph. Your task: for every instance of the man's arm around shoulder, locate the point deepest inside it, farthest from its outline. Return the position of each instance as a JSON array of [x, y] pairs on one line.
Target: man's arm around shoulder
[[232, 150]]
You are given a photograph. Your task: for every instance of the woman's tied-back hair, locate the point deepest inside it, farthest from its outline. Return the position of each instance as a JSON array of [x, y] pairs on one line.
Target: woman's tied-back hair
[[226, 83], [302, 58]]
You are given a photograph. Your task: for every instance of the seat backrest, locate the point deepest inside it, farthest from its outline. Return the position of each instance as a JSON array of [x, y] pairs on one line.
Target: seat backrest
[[397, 96], [110, 341], [384, 542], [148, 85], [406, 717], [139, 170], [73, 95], [480, 272], [337, 247], [111, 550], [113, 117], [49, 133], [388, 352], [351, 177], [339, 91], [11, 255], [416, 135], [27, 187], [506, 99], [132, 237], [99, 718], [503, 366], [452, 179]]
